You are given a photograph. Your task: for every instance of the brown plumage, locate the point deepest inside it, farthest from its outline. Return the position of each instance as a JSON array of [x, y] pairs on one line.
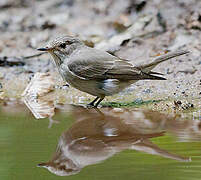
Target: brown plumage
[[98, 72]]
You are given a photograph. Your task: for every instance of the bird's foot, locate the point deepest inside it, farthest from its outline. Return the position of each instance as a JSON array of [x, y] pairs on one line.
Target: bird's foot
[[95, 103], [90, 105]]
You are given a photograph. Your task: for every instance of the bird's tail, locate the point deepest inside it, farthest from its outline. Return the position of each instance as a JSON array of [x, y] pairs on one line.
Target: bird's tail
[[149, 66], [151, 76]]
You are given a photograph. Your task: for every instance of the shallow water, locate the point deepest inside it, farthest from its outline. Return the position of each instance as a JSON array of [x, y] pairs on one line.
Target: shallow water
[[97, 144]]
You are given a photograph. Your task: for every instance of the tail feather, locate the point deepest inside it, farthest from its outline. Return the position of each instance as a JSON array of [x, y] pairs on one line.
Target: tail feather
[[153, 72], [152, 77], [150, 66]]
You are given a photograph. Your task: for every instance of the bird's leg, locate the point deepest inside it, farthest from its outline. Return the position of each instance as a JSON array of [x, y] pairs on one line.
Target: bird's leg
[[96, 105], [91, 104]]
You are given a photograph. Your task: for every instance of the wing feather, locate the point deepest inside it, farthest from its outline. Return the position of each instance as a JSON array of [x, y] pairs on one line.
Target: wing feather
[[89, 63]]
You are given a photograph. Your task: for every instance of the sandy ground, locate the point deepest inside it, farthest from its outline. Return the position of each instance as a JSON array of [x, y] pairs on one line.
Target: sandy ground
[[135, 30]]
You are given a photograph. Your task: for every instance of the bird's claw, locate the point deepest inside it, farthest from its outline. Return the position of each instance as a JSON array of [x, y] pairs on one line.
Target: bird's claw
[[89, 106]]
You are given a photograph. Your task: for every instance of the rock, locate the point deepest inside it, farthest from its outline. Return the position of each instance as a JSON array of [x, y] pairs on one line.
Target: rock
[[11, 61]]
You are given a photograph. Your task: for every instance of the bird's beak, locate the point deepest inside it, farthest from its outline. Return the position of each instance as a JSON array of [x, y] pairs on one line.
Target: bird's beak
[[42, 165], [44, 49]]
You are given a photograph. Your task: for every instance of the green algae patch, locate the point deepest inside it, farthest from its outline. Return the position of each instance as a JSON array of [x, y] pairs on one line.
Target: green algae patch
[[136, 103]]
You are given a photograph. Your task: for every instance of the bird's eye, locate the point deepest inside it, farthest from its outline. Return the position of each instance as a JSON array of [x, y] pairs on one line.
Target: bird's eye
[[63, 45]]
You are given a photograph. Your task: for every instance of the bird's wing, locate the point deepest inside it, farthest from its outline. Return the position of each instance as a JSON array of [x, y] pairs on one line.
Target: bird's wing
[[94, 64]]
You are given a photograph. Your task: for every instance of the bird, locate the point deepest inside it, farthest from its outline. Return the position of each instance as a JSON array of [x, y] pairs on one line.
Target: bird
[[98, 72], [97, 135]]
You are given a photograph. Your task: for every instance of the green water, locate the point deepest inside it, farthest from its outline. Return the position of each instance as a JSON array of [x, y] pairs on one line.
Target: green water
[[25, 142]]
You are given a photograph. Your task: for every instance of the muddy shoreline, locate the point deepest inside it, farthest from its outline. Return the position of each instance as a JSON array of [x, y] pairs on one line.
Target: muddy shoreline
[[134, 30]]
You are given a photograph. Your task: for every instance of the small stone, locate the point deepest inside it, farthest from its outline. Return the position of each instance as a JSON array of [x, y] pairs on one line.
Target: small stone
[[1, 95], [147, 91], [48, 25], [177, 103], [118, 110]]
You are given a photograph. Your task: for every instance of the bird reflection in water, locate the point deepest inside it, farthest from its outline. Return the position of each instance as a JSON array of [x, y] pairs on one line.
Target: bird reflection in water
[[97, 135]]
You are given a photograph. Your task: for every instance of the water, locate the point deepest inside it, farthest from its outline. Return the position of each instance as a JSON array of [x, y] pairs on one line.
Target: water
[[96, 144]]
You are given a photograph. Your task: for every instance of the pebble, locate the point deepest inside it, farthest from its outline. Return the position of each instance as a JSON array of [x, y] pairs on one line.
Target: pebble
[[118, 110], [147, 91]]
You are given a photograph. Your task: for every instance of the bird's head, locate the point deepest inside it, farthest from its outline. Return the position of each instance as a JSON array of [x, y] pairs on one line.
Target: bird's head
[[60, 169], [61, 47]]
